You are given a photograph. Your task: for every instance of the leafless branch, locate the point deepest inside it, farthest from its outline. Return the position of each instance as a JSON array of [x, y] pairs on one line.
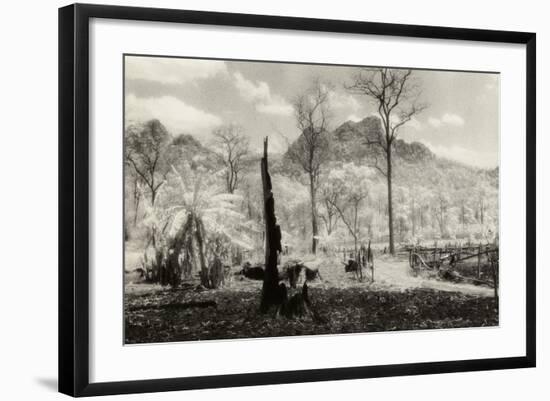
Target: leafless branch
[[232, 147]]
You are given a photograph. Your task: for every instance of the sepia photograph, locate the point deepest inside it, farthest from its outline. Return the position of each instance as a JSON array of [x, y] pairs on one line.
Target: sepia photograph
[[269, 199]]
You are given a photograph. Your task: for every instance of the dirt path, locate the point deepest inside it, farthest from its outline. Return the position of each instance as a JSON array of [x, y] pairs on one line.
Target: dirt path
[[398, 274], [390, 274]]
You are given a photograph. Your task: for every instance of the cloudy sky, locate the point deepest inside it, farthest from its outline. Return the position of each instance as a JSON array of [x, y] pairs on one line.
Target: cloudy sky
[[193, 96]]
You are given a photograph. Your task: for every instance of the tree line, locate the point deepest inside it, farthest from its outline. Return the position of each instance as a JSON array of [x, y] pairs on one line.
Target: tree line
[[205, 200]]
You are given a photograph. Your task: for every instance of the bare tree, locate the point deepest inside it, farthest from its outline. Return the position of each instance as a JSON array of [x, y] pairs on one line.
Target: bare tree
[[310, 151], [330, 195], [349, 213], [351, 187], [231, 149], [395, 93], [147, 152]]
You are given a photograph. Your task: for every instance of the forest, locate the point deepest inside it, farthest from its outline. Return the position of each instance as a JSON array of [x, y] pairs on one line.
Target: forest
[[350, 229]]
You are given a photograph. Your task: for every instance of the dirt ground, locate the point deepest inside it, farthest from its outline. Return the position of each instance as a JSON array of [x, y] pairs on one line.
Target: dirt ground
[[397, 300]]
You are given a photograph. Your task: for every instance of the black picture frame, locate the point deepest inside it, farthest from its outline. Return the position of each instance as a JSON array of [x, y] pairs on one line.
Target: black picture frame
[[74, 198]]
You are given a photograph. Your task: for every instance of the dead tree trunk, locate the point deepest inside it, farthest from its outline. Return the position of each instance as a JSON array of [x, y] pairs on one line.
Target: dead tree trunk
[[272, 293]]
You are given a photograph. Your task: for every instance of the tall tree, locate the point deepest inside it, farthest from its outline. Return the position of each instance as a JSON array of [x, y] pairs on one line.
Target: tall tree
[[311, 150], [147, 152], [395, 94], [231, 148]]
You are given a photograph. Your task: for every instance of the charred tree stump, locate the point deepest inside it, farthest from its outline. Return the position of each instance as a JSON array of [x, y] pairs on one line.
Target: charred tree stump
[[216, 276], [272, 293], [312, 274], [292, 271], [275, 294], [298, 305]]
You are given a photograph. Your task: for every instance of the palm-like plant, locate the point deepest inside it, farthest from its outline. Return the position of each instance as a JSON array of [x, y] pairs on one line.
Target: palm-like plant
[[201, 222]]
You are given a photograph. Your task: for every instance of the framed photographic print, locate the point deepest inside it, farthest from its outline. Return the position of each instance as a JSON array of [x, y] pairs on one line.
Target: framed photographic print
[[299, 199]]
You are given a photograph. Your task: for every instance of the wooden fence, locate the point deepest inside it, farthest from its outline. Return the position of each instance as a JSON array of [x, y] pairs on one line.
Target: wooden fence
[[472, 263]]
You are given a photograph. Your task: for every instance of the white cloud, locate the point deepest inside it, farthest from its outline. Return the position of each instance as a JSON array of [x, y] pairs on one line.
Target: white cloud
[[176, 115], [343, 101], [446, 119], [344, 105], [452, 119], [275, 107], [172, 70], [434, 122], [353, 117], [260, 94], [251, 91], [464, 155]]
